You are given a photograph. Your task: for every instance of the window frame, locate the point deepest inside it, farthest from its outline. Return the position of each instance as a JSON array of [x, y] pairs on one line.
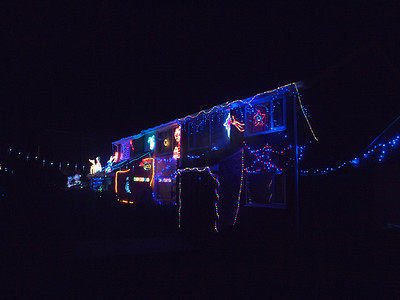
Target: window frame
[[270, 102], [210, 144], [273, 204]]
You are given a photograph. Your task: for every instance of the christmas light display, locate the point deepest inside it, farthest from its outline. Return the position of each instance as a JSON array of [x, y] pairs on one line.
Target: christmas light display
[[239, 126], [227, 125], [151, 140], [125, 150], [96, 165], [141, 179], [235, 103], [116, 179], [168, 164], [74, 180], [230, 120], [263, 160], [148, 164], [110, 162], [259, 118], [166, 179], [177, 136]]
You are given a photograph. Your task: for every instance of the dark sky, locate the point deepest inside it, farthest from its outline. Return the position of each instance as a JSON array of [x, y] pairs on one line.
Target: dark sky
[[106, 70]]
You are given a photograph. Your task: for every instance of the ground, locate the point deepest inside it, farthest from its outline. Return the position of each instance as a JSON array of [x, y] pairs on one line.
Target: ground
[[78, 245]]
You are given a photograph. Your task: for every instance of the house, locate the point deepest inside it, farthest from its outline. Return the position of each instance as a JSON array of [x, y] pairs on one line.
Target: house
[[217, 164]]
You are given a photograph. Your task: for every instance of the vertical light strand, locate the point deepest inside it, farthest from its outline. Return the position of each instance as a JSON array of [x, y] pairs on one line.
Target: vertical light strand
[[216, 191], [304, 113], [240, 189], [270, 191], [179, 200]]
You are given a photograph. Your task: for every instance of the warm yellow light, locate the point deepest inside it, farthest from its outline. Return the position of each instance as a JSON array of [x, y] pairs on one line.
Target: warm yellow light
[[116, 179], [96, 165]]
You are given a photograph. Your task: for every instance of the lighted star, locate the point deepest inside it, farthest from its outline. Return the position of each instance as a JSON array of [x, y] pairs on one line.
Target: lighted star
[[259, 118]]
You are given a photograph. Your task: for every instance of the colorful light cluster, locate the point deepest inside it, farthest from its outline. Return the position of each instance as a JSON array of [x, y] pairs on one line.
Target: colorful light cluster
[[95, 167], [148, 164], [168, 164], [72, 180], [177, 136], [165, 179], [125, 150], [230, 120], [141, 179], [111, 160], [151, 140], [263, 160], [259, 118]]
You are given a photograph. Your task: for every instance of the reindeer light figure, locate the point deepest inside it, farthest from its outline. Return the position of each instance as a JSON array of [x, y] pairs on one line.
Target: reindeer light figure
[[96, 165]]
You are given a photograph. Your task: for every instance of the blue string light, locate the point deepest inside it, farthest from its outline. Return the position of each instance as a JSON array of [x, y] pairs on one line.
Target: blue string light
[[368, 154]]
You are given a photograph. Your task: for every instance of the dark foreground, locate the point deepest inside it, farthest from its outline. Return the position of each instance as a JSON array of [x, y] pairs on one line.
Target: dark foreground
[[77, 245]]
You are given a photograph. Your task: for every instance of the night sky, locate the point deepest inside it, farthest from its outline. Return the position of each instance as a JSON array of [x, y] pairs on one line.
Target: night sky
[[100, 71]]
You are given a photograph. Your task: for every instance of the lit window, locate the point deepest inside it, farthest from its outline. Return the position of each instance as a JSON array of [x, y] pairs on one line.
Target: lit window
[[266, 117]]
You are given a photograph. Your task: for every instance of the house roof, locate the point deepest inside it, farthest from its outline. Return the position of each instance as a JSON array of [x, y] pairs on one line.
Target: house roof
[[230, 104]]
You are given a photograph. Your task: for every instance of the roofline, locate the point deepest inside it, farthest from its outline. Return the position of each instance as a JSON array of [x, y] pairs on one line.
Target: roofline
[[233, 103]]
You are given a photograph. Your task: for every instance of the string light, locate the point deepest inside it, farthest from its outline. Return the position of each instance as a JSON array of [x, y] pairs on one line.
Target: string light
[[141, 179], [180, 201], [259, 118], [240, 189], [166, 180], [216, 191], [263, 160], [234, 103], [368, 154], [304, 112], [116, 179]]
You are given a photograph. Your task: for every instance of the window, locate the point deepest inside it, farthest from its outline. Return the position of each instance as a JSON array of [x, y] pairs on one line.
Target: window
[[219, 134], [266, 189], [208, 130], [265, 117], [125, 150], [199, 132], [149, 142]]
